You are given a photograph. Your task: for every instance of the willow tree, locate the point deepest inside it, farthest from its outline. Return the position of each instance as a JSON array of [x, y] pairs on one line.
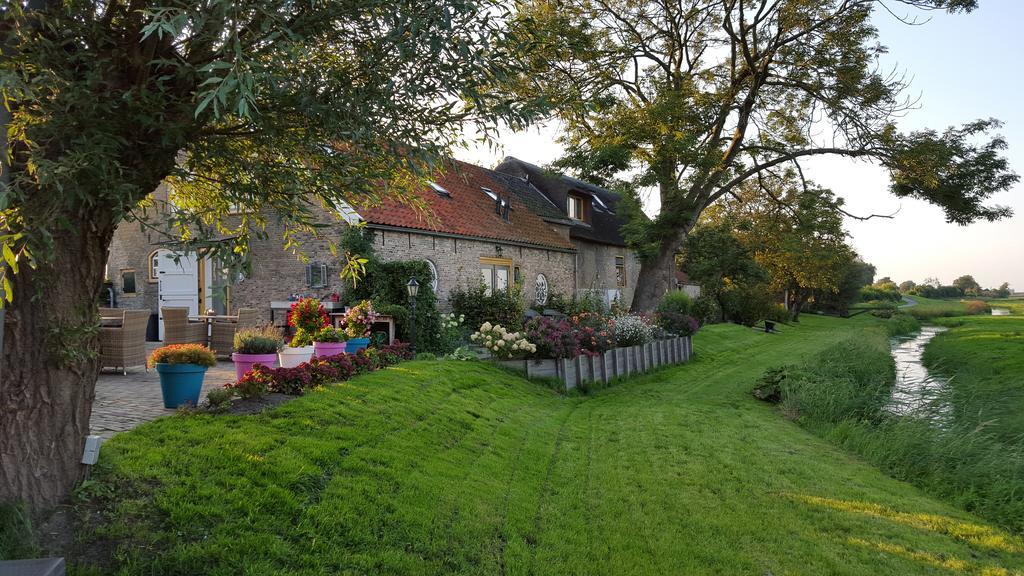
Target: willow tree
[[692, 98], [281, 107]]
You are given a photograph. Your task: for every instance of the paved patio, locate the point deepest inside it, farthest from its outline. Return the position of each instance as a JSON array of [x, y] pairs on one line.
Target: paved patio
[[124, 402]]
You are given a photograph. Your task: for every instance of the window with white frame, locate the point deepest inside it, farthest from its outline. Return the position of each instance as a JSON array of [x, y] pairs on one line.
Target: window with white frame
[[575, 207]]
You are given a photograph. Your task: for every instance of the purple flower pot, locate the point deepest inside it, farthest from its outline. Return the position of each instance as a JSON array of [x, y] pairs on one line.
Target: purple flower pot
[[325, 349], [245, 362]]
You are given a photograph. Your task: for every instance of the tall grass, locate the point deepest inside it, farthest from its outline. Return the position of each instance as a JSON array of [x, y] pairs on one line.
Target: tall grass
[[843, 395], [901, 324], [15, 533]]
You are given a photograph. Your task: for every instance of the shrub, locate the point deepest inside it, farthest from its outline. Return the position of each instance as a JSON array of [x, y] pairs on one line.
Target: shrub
[[747, 305], [451, 333], [301, 338], [706, 309], [585, 301], [900, 324], [426, 356], [462, 353], [502, 307], [880, 293], [183, 354], [254, 384], [261, 340], [632, 330], [675, 315], [678, 324], [219, 399], [309, 315], [359, 319], [676, 301], [552, 338], [502, 344], [976, 307], [594, 332], [329, 334]]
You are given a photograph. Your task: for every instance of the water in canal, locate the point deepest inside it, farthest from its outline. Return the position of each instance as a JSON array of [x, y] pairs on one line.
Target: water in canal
[[916, 391]]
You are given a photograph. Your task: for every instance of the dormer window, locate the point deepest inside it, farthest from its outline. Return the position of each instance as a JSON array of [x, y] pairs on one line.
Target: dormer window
[[576, 208], [440, 190]]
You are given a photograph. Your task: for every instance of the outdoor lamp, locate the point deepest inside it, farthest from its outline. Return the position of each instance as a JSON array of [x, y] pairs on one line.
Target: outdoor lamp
[[414, 288]]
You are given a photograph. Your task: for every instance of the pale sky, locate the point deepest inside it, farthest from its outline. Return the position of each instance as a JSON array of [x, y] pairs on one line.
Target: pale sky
[[963, 67]]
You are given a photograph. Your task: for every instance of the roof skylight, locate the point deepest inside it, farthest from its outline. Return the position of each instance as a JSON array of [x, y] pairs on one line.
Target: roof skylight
[[440, 189], [490, 193]]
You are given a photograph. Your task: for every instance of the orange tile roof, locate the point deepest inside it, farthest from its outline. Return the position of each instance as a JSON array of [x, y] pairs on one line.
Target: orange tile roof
[[469, 211]]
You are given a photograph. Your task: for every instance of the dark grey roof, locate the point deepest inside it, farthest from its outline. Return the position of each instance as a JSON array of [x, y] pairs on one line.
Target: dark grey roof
[[604, 225], [534, 200]]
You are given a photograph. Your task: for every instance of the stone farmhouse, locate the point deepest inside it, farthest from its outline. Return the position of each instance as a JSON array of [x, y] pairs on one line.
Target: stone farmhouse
[[515, 223]]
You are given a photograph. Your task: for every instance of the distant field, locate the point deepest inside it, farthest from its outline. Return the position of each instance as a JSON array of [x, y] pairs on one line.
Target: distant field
[[929, 308]]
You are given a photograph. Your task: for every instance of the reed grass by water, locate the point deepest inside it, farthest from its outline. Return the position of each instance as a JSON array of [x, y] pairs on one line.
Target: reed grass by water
[[842, 395]]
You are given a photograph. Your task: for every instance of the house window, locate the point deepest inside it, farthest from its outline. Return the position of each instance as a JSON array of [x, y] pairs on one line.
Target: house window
[[542, 290], [575, 207], [156, 258], [316, 275], [517, 276], [433, 275], [620, 271], [494, 273], [128, 282]]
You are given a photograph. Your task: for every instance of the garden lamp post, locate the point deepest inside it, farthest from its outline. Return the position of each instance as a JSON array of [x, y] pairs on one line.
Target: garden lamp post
[[413, 287]]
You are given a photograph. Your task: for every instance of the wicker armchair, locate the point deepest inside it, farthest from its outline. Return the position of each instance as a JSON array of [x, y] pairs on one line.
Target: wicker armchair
[[124, 346], [178, 329], [222, 332]]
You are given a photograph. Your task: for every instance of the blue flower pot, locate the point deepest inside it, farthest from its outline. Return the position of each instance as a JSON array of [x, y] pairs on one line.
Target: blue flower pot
[[181, 383], [356, 344]]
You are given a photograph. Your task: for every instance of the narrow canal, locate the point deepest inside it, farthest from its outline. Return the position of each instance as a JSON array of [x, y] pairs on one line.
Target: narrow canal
[[916, 392]]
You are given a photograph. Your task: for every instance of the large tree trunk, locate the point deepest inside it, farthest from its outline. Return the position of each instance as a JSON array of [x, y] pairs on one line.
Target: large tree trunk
[[657, 275], [49, 367]]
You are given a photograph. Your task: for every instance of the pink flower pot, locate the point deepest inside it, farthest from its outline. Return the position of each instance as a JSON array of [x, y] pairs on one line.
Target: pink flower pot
[[245, 362], [324, 349]]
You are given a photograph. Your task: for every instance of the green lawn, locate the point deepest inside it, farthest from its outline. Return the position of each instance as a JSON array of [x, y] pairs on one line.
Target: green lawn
[[441, 467], [984, 355]]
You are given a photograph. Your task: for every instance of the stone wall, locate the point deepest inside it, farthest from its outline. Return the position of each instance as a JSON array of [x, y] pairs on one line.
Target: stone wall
[[458, 261], [130, 250], [277, 273], [596, 264]]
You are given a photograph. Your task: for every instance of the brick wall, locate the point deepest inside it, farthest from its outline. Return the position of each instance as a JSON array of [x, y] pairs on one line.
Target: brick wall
[[596, 264]]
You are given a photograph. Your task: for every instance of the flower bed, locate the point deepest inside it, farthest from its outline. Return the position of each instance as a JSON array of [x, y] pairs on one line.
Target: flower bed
[[318, 371], [589, 347], [617, 362]]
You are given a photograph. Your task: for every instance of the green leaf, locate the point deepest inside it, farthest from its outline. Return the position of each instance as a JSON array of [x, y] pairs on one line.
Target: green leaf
[[9, 258]]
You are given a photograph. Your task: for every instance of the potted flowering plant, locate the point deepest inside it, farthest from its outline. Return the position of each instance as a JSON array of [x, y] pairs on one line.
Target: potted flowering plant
[[307, 316], [256, 346], [182, 368], [358, 320], [329, 341]]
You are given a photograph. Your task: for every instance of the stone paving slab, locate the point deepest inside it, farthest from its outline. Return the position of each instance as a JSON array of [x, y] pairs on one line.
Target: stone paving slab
[[125, 401]]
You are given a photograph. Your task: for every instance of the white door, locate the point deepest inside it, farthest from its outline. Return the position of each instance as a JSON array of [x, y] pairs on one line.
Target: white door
[[178, 283]]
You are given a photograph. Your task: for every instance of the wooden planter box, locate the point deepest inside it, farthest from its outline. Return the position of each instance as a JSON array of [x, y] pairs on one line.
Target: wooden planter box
[[615, 363]]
